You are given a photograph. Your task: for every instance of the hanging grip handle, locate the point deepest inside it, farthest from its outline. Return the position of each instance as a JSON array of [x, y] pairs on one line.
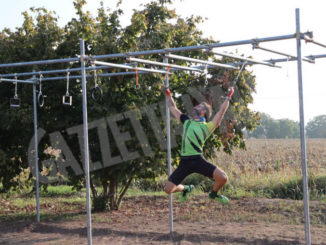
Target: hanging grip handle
[[67, 99], [15, 101]]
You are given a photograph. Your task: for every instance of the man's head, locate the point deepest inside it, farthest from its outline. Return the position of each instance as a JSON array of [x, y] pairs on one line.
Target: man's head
[[203, 110]]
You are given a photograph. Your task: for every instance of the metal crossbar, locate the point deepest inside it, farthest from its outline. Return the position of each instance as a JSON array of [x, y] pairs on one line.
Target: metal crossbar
[[18, 81], [40, 62], [78, 69], [257, 46], [313, 57], [157, 51], [150, 62], [173, 56], [128, 67], [246, 59]]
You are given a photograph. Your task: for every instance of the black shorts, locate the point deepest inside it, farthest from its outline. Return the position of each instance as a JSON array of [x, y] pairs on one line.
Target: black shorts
[[189, 165]]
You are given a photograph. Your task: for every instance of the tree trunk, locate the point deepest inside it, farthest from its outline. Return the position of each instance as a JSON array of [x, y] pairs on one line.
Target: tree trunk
[[115, 198], [123, 191], [93, 188], [113, 187], [105, 188]]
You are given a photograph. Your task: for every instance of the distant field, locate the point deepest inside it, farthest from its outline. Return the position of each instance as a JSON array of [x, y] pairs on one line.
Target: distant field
[[268, 162], [269, 155]]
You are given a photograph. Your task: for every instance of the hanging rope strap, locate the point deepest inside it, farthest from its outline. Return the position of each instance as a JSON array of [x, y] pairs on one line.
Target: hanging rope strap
[[16, 84], [166, 88], [40, 97], [67, 99], [231, 88], [206, 73], [167, 73], [137, 86], [15, 101], [67, 91], [237, 77]]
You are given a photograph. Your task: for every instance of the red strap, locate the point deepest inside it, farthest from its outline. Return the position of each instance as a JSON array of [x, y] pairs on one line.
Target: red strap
[[168, 92], [167, 73], [230, 92], [137, 77]]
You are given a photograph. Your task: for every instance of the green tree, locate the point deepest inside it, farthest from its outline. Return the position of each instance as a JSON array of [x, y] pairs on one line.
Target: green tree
[[289, 129], [275, 129], [36, 39], [316, 128], [153, 27]]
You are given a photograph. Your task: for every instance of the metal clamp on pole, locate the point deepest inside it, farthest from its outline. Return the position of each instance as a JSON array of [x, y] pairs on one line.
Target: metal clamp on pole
[[15, 101], [67, 99], [97, 92], [40, 96]]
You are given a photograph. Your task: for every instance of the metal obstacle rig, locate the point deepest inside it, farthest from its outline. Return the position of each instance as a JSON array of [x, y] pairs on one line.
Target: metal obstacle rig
[[38, 97]]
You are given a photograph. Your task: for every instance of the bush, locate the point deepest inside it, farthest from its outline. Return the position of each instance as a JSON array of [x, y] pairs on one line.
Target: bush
[[100, 203], [293, 189], [156, 184]]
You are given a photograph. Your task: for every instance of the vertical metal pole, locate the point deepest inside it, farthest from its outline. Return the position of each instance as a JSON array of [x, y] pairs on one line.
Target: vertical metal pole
[[86, 148], [36, 155], [168, 141], [302, 133]]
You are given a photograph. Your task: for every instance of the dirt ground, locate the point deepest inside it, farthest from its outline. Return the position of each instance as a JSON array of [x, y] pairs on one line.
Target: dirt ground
[[145, 220]]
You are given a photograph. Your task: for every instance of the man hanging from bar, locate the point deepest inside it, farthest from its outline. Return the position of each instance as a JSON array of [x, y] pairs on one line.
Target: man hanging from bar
[[195, 132]]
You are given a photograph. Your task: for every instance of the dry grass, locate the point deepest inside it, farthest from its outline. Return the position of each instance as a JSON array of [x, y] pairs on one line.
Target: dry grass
[[267, 162]]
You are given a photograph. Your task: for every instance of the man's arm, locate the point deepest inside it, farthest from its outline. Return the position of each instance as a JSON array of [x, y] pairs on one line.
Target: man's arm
[[171, 104], [220, 114]]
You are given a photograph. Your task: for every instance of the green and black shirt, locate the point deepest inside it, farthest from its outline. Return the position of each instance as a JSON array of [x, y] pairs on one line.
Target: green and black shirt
[[195, 133]]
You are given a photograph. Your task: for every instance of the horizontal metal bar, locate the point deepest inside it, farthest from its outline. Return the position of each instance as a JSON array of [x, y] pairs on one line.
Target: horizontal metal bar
[[313, 57], [150, 62], [40, 62], [128, 67], [18, 81], [52, 71], [151, 52], [310, 40], [191, 48], [284, 60], [129, 73], [173, 56], [246, 59], [281, 60], [257, 46]]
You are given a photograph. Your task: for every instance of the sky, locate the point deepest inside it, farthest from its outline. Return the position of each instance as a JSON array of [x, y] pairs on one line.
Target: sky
[[234, 20]]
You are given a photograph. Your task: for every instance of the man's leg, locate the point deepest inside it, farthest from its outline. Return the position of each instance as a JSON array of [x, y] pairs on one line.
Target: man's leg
[[173, 184], [220, 178], [171, 187]]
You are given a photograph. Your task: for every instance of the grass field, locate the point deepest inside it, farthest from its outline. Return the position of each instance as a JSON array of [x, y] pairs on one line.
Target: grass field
[[267, 168]]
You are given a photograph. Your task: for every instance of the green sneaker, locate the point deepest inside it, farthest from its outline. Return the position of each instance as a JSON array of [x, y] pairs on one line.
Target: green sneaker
[[220, 198], [186, 192]]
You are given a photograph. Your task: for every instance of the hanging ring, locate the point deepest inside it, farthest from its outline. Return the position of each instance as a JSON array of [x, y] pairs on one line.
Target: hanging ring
[[97, 92]]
